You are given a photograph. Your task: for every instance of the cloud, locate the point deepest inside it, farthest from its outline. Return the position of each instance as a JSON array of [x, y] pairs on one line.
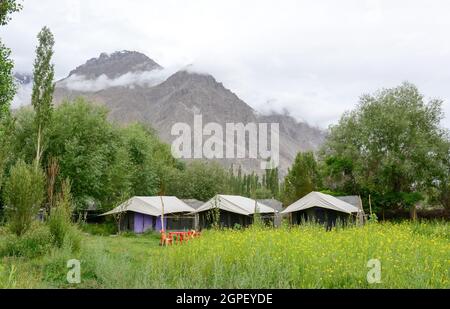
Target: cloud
[[314, 58], [143, 79], [23, 95]]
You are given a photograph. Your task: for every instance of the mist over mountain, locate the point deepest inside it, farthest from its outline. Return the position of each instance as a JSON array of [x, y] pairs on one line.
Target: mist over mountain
[[136, 88], [24, 83]]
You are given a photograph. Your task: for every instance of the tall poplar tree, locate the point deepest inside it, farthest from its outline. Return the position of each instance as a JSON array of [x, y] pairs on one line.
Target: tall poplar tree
[[43, 86], [7, 85]]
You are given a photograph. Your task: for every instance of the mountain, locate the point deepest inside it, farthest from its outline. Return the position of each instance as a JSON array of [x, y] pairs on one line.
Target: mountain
[[24, 82], [116, 65], [177, 99], [23, 78]]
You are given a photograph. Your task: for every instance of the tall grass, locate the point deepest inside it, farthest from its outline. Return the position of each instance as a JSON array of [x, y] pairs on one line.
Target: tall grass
[[411, 256], [301, 257]]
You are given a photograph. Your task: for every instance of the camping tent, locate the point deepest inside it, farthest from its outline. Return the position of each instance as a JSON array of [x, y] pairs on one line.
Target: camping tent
[[233, 210], [278, 206], [141, 213], [321, 207]]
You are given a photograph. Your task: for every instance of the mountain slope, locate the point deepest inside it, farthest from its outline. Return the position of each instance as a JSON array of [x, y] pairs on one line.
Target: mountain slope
[[177, 99]]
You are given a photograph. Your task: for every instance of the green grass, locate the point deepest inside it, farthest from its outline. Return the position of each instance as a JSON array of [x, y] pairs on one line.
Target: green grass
[[411, 256]]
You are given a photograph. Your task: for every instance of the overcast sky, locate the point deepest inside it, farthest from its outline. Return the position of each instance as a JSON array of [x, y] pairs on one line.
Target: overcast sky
[[313, 58]]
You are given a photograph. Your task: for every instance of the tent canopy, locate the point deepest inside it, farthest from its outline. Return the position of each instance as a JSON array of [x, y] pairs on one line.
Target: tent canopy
[[317, 199], [236, 204], [151, 205]]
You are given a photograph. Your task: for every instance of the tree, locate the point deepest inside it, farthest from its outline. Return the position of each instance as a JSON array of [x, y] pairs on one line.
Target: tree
[[104, 161], [43, 86], [391, 146], [23, 195], [8, 7], [303, 177], [60, 219], [7, 85], [86, 145], [199, 180]]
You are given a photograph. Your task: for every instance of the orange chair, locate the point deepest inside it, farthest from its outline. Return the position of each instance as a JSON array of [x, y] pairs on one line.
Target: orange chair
[[166, 240]]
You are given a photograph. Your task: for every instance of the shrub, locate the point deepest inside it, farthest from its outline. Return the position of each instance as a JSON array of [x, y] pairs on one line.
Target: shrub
[[59, 220], [100, 229], [24, 193], [72, 239], [63, 231], [35, 242]]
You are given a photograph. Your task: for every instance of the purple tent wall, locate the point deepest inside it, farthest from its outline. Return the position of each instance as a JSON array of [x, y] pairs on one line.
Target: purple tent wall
[[158, 223], [142, 223], [148, 223]]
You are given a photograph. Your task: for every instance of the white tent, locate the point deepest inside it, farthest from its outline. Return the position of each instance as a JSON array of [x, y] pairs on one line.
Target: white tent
[[151, 205], [317, 199], [236, 204]]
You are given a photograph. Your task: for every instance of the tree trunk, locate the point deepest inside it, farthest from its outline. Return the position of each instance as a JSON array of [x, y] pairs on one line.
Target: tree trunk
[[38, 149], [413, 213]]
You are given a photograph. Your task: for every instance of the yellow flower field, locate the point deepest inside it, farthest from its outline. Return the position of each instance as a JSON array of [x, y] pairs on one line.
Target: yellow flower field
[[410, 255]]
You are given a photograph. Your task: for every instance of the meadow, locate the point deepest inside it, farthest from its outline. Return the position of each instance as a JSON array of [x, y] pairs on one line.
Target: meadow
[[412, 255]]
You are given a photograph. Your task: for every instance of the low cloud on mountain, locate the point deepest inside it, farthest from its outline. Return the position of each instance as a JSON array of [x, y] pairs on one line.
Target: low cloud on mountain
[[144, 79]]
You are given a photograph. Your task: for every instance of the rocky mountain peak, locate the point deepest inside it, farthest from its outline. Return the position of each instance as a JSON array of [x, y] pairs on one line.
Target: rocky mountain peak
[[23, 78], [116, 64]]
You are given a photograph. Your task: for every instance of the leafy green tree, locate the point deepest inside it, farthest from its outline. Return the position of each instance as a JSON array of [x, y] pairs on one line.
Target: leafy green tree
[[43, 86], [23, 195], [60, 219], [390, 146], [104, 161], [7, 7], [86, 146], [23, 135], [199, 180], [150, 160], [7, 85], [302, 178]]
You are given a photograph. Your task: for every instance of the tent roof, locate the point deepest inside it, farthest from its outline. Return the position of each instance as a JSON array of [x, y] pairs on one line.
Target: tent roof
[[151, 205], [272, 203], [235, 203], [354, 200], [317, 199], [193, 203]]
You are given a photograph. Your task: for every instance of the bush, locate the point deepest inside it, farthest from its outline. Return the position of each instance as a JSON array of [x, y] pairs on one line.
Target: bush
[[63, 231], [100, 229], [35, 242], [72, 239], [24, 193], [58, 225]]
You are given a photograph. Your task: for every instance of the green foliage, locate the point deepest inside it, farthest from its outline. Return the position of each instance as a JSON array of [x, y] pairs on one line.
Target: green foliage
[[23, 195], [373, 218], [35, 242], [43, 75], [199, 180], [85, 144], [149, 159], [213, 215], [43, 87], [251, 185], [302, 178], [104, 162], [412, 256], [100, 229], [7, 84], [391, 146], [257, 220], [60, 219], [8, 7]]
